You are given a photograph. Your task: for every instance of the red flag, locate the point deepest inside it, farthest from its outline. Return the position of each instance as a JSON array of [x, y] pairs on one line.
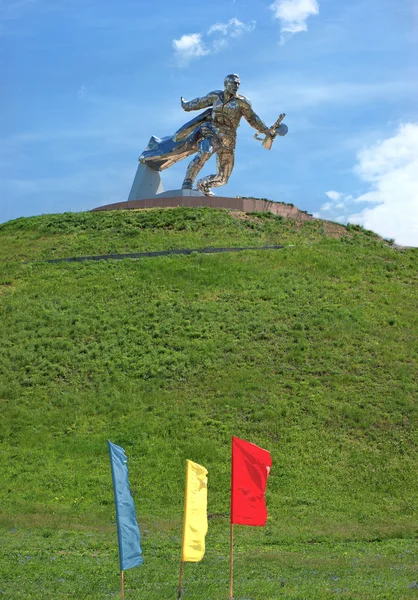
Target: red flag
[[250, 469]]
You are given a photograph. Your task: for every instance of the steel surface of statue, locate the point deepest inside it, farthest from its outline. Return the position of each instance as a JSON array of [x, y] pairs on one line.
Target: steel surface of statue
[[213, 131]]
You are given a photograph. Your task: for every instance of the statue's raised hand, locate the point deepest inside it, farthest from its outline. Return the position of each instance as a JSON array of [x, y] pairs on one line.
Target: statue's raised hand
[[183, 103]]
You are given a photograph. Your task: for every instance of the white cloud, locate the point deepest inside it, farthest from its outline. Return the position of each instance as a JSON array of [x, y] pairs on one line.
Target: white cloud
[[326, 206], [390, 167], [188, 47], [333, 195], [293, 15], [234, 27], [390, 170], [192, 45], [338, 201], [219, 45]]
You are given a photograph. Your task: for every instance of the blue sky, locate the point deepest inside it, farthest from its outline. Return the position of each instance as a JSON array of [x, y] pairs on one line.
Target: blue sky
[[85, 84]]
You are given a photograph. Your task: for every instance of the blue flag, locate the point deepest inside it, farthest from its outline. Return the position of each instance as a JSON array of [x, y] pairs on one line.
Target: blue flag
[[130, 553]]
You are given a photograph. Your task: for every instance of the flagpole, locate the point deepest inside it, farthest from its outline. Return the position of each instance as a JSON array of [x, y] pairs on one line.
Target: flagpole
[[182, 538], [231, 528], [180, 581], [122, 586], [231, 560]]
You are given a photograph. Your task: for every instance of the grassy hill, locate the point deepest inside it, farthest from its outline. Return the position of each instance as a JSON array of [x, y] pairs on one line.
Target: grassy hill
[[310, 351]]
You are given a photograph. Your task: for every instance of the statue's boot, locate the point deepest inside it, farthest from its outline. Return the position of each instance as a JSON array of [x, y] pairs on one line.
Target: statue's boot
[[193, 169], [224, 165], [203, 186]]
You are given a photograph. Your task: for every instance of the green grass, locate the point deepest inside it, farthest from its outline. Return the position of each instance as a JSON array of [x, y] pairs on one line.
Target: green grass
[[54, 563], [310, 351], [78, 234]]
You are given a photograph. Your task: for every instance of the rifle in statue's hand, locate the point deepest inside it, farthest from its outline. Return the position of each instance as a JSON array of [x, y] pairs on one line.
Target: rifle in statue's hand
[[269, 137]]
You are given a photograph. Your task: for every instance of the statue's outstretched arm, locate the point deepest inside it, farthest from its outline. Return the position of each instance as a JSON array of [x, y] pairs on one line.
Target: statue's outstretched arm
[[252, 118], [199, 103]]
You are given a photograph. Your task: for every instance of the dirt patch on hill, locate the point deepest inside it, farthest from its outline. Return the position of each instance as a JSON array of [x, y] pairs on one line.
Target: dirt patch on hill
[[329, 228], [335, 230]]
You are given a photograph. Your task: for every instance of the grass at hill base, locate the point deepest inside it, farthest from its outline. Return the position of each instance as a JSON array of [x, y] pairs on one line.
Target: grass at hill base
[[310, 352], [79, 234], [57, 563]]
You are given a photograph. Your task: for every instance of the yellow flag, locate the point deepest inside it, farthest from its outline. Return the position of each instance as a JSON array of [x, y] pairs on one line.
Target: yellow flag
[[195, 524]]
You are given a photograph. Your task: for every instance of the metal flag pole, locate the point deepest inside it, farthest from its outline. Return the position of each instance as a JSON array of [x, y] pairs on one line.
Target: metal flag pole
[[231, 561], [182, 539], [180, 581], [122, 586], [231, 529]]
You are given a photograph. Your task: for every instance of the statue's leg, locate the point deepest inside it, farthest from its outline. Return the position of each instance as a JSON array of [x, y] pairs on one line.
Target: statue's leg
[[194, 167], [224, 165], [207, 146]]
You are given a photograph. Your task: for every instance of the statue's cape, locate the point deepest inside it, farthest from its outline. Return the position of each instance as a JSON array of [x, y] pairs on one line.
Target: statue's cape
[[162, 153]]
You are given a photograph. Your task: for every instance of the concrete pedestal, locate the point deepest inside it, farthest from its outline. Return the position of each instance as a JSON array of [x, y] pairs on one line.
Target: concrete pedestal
[[147, 183], [180, 193]]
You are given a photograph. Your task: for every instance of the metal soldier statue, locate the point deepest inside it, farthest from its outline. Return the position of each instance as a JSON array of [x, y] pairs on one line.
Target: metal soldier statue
[[213, 131]]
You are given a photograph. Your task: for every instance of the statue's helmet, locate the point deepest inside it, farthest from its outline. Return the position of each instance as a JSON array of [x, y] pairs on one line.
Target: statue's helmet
[[233, 78]]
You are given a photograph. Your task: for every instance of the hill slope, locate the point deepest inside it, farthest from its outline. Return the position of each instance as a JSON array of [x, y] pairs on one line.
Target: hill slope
[[310, 351]]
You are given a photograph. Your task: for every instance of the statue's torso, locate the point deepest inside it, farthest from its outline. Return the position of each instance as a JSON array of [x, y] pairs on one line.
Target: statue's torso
[[226, 115]]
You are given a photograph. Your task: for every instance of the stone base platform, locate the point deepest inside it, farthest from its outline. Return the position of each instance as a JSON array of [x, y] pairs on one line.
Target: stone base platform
[[238, 203]]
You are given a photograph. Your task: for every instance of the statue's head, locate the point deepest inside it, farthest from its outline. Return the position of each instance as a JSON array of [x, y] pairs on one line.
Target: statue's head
[[232, 83]]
